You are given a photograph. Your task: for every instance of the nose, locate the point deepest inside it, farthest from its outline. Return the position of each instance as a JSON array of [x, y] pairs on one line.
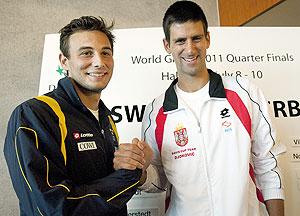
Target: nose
[[190, 47], [97, 60]]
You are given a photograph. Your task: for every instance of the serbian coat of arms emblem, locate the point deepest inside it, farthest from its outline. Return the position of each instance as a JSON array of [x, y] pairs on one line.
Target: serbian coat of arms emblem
[[181, 136]]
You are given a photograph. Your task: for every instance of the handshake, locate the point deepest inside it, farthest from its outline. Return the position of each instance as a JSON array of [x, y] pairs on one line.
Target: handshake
[[137, 154]]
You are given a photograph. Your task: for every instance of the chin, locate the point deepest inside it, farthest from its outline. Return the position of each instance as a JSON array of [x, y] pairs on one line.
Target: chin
[[96, 90]]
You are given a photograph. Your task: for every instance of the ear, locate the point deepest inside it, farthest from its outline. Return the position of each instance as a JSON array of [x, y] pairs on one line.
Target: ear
[[208, 40], [167, 45], [64, 62]]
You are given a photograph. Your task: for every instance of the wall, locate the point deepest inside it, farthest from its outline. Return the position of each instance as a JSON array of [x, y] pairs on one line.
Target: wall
[[284, 14], [242, 11], [23, 24]]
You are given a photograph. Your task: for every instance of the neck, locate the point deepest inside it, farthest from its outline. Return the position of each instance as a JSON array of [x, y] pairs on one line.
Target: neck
[[190, 83], [89, 98]]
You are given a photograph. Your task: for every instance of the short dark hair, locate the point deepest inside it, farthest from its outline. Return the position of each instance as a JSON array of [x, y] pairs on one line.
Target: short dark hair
[[84, 23], [181, 12]]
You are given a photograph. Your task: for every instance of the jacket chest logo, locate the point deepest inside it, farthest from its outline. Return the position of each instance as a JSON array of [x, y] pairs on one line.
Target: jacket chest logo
[[181, 136], [83, 142], [226, 123], [224, 113], [78, 135], [84, 146]]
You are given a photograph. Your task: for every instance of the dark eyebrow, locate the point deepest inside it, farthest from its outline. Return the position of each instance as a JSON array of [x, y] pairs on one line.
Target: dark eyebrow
[[199, 35], [179, 39], [88, 47], [107, 48], [84, 48]]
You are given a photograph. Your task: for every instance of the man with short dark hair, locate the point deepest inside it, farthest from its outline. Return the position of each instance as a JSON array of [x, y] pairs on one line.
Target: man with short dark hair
[[213, 141], [60, 146]]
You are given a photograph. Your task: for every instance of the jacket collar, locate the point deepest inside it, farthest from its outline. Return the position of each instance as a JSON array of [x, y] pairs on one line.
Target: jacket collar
[[66, 90], [216, 90]]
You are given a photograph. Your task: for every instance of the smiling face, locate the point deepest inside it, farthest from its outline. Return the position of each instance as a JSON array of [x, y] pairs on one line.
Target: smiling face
[[188, 44], [90, 64]]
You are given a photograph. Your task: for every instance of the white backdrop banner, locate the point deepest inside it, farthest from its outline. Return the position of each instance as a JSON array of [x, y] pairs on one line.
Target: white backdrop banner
[[270, 57]]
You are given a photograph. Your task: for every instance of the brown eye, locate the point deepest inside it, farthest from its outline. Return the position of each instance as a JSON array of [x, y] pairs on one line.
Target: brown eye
[[180, 42], [197, 39], [107, 53], [86, 53]]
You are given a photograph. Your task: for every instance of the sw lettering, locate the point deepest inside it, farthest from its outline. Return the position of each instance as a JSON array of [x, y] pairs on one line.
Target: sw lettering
[[131, 113]]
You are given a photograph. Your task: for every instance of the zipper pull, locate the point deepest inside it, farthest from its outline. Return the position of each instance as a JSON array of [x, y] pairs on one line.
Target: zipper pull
[[102, 132], [199, 126]]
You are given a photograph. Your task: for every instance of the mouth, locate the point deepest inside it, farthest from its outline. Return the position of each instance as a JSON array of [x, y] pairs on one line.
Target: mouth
[[190, 59], [96, 74]]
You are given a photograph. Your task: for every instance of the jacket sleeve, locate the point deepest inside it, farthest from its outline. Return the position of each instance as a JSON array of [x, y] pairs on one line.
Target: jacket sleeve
[[156, 179], [40, 178], [265, 148]]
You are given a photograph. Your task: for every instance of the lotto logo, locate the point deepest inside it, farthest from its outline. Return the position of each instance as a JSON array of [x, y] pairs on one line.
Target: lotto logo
[[76, 135]]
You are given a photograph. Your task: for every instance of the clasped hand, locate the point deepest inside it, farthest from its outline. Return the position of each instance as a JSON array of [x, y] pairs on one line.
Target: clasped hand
[[137, 154]]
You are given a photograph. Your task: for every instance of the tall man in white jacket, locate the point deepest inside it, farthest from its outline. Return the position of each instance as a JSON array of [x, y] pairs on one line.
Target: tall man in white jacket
[[214, 146]]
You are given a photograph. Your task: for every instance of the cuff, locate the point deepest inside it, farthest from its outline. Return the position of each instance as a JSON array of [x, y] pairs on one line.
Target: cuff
[[273, 194], [148, 183]]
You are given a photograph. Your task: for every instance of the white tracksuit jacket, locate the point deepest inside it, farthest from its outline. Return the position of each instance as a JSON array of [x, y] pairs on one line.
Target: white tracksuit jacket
[[224, 165]]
